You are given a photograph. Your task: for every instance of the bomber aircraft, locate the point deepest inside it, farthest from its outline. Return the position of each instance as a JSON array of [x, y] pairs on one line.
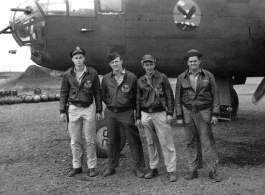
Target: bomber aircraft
[[230, 34]]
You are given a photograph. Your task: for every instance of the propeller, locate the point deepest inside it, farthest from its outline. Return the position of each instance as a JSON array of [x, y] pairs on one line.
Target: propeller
[[259, 93]]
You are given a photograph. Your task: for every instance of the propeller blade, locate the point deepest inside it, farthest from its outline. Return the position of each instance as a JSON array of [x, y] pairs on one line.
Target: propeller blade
[[259, 93]]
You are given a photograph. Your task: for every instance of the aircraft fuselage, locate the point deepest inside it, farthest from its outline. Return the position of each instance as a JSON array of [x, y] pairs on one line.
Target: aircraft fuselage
[[230, 34]]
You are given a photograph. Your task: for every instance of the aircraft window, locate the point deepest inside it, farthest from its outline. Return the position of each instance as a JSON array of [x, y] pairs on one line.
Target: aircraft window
[[32, 32], [82, 8], [55, 7], [39, 30], [25, 34], [20, 18], [111, 5]]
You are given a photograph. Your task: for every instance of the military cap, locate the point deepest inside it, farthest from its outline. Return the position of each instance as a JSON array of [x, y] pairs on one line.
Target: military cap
[[77, 50], [113, 56], [192, 53], [148, 57]]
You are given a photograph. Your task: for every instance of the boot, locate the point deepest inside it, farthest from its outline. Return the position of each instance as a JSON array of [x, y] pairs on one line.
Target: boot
[[139, 173], [214, 177], [74, 172], [191, 175], [172, 176], [152, 173], [108, 172], [92, 172]]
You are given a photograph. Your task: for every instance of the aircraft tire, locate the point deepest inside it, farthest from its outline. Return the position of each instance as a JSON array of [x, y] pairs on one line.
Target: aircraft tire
[[235, 102], [102, 139]]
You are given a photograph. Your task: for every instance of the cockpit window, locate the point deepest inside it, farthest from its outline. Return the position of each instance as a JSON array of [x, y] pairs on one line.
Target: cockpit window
[[111, 6], [82, 8], [55, 7]]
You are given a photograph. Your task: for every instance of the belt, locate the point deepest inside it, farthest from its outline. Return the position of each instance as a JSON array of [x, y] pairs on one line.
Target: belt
[[153, 110], [119, 109], [81, 104], [196, 108]]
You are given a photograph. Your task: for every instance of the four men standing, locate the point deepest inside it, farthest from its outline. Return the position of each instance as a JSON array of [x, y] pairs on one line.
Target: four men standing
[[197, 106]]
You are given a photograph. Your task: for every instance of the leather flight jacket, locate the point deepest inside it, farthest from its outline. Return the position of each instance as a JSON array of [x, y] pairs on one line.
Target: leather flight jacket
[[80, 95], [205, 96], [119, 98], [156, 98]]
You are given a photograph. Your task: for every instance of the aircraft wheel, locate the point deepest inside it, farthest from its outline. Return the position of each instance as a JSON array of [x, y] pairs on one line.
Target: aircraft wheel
[[235, 103], [102, 139]]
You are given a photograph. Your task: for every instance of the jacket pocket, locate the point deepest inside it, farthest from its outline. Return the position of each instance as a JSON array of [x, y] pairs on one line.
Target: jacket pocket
[[208, 96], [185, 96], [127, 94], [143, 98], [73, 93], [85, 95]]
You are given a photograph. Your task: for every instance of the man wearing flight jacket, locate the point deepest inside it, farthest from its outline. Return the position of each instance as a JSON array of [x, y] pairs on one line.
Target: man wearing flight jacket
[[119, 93], [79, 86], [154, 111], [197, 107]]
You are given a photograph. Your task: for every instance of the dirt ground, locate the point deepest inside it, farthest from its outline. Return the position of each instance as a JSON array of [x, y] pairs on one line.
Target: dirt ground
[[35, 156]]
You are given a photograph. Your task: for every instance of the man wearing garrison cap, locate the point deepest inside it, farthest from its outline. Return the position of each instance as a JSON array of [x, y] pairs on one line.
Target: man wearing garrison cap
[[197, 107], [79, 86], [119, 93], [154, 111]]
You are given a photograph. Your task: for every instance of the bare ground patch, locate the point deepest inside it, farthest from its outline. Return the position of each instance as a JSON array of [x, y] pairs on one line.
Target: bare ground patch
[[35, 156]]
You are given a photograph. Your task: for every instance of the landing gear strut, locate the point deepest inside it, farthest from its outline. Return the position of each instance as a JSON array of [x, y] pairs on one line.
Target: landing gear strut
[[230, 112]]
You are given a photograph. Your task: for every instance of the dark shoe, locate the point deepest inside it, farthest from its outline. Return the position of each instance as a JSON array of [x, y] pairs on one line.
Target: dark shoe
[[214, 177], [139, 173], [74, 172], [92, 173], [152, 173], [191, 175], [109, 172], [172, 176]]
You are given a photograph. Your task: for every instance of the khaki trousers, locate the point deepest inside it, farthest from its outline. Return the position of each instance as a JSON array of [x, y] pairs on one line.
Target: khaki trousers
[[155, 125], [83, 121]]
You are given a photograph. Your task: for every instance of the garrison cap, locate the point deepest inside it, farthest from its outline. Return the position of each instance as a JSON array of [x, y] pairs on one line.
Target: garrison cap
[[77, 50], [113, 56], [191, 53], [148, 57]]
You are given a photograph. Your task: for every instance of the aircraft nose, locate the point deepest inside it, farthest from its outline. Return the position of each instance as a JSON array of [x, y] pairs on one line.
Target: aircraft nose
[[28, 29]]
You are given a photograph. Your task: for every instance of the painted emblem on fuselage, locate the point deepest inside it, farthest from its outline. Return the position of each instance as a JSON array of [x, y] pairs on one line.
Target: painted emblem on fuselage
[[187, 15]]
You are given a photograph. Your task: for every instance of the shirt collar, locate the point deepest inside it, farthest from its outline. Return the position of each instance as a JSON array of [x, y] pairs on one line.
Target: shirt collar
[[85, 70], [155, 74], [123, 72], [188, 72]]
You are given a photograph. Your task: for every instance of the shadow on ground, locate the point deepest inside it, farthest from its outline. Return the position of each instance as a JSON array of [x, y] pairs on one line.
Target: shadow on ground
[[243, 154]]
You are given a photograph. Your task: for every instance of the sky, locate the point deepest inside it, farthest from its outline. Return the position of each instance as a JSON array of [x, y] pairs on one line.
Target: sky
[[11, 62]]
